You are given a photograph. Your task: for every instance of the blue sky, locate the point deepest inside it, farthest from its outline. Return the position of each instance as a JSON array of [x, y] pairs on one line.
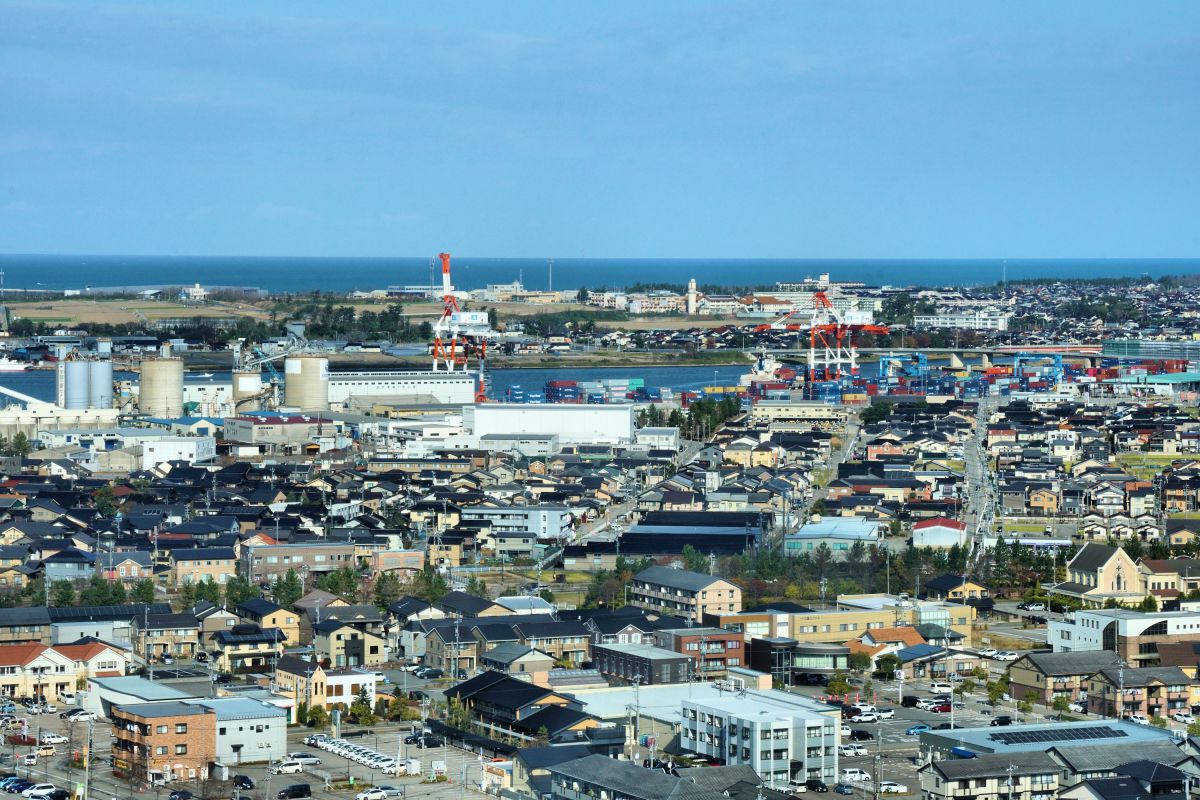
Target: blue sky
[[663, 129]]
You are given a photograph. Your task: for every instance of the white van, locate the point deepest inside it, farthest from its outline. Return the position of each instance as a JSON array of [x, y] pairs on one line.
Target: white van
[[288, 768], [855, 775]]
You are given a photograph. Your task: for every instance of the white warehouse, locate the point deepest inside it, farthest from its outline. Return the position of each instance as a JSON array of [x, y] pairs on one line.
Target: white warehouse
[[573, 424]]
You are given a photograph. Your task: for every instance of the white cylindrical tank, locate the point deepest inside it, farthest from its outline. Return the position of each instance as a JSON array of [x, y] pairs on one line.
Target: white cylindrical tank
[[100, 384], [160, 390], [306, 385], [246, 388], [76, 385]]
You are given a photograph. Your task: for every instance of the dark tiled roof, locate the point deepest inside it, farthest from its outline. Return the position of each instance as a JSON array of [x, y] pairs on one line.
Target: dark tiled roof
[[1084, 662], [676, 578]]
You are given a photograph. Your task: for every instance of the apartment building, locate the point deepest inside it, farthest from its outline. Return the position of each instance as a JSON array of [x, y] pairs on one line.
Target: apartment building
[[163, 741], [1133, 635], [1148, 691], [680, 593], [246, 648], [1016, 776], [546, 523], [199, 564], [980, 320], [714, 650], [780, 735], [1051, 675], [641, 664], [266, 614], [267, 561]]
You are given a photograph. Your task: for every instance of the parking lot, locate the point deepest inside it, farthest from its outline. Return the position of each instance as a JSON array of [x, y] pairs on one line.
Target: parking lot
[[463, 770]]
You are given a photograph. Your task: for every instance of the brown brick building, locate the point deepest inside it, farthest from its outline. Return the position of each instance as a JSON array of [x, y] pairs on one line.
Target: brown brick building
[[175, 741]]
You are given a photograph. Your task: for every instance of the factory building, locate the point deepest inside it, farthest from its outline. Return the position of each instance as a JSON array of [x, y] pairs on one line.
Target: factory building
[[572, 424]]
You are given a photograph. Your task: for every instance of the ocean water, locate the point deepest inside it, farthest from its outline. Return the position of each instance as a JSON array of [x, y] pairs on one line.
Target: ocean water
[[347, 274]]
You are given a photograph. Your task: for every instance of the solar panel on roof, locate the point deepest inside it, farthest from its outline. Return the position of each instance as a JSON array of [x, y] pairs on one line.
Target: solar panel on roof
[[1058, 735]]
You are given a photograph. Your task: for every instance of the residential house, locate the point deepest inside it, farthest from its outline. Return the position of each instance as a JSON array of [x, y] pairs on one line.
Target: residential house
[[159, 635], [163, 741], [341, 644], [266, 614], [198, 564], [1011, 776], [246, 648]]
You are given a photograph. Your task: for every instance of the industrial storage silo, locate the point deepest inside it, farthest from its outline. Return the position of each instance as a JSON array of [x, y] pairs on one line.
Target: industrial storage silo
[[160, 390], [76, 385], [246, 388], [306, 382], [100, 384]]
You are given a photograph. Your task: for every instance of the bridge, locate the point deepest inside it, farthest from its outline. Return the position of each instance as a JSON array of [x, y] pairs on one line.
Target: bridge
[[1088, 354]]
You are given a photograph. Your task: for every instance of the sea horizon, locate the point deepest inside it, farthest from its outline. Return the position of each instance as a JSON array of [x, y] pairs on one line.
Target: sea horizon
[[298, 274]]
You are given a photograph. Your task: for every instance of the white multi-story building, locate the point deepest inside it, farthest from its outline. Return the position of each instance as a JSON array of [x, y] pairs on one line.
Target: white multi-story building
[[766, 729], [978, 320], [1133, 635]]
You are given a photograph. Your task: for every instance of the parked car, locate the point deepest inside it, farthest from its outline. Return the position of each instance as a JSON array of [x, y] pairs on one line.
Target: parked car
[[843, 788], [1185, 717], [940, 686], [865, 717], [846, 729], [943, 708], [847, 750], [861, 735], [77, 715], [391, 791], [180, 794], [243, 782], [1035, 607], [307, 759], [39, 790], [1036, 619], [371, 794], [886, 713], [296, 790], [1081, 708], [1002, 720], [168, 660], [816, 785], [891, 787], [288, 768], [988, 652], [909, 701], [917, 729], [863, 707], [53, 738], [314, 739], [1137, 719], [854, 775], [1006, 655]]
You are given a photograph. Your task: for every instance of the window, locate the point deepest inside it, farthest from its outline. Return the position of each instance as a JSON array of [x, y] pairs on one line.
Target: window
[[181, 727], [222, 731], [161, 750], [180, 749], [160, 729]]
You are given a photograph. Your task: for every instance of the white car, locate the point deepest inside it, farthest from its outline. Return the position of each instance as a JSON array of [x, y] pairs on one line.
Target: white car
[[1184, 717], [891, 787], [53, 738], [66, 697], [39, 790], [1137, 719], [1081, 708], [866, 716], [288, 768], [1036, 607], [371, 794], [988, 652], [847, 750], [1006, 655], [854, 775], [307, 759], [390, 791], [846, 729], [940, 686], [886, 713], [863, 706], [79, 715]]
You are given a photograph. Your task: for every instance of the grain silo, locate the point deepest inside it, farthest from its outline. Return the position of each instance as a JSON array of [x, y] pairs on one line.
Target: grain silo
[[160, 390], [100, 384], [76, 378], [306, 382], [247, 388]]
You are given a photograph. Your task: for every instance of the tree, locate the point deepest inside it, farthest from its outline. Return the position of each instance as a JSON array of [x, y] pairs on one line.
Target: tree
[[1025, 704], [317, 717], [1158, 722], [105, 501], [1193, 729], [859, 661], [1061, 704], [208, 590], [546, 595], [476, 587], [361, 709], [343, 581], [143, 591], [876, 412], [286, 589], [387, 589], [62, 593], [995, 690], [19, 445], [965, 687], [238, 590], [887, 664], [838, 685], [693, 559], [429, 585], [302, 713]]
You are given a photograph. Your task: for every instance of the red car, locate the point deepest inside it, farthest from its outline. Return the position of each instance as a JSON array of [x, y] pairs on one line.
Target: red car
[[944, 708]]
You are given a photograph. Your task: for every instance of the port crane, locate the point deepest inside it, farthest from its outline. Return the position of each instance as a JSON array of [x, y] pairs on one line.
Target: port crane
[[831, 350], [452, 346]]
